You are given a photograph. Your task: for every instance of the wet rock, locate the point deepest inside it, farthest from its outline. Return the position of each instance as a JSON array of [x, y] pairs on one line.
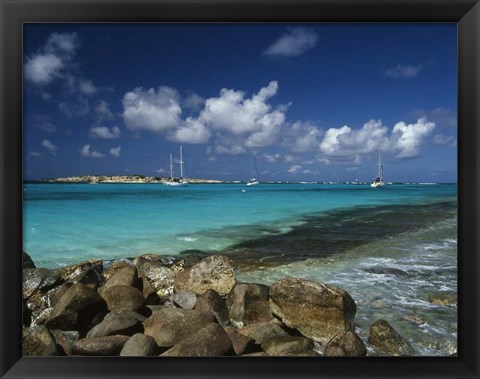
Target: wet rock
[[38, 341], [443, 298], [263, 331], [248, 303], [317, 310], [215, 273], [139, 345], [103, 346], [210, 341], [160, 277], [168, 326], [187, 262], [39, 280], [126, 276], [123, 298], [41, 317], [387, 340], [241, 343], [27, 261], [184, 299], [415, 319], [210, 301], [88, 272], [65, 340], [80, 308], [282, 346], [110, 269], [345, 344], [125, 323]]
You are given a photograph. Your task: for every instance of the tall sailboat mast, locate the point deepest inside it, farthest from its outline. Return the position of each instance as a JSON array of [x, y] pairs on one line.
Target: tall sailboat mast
[[171, 166], [181, 162]]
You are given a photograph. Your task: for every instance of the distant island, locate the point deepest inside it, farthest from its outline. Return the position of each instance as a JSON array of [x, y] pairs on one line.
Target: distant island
[[120, 179]]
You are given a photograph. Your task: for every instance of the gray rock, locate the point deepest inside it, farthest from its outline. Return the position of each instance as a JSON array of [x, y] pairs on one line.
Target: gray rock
[[88, 272], [284, 346], [103, 346], [39, 280], [317, 310], [161, 278], [241, 343], [65, 340], [38, 341], [80, 308], [125, 323], [168, 326], [184, 299], [27, 261], [212, 273], [262, 331], [139, 345], [126, 276], [383, 337], [248, 303], [345, 344], [210, 341], [123, 298], [210, 301]]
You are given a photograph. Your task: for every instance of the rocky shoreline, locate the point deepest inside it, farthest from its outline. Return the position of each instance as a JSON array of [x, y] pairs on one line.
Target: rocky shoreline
[[94, 179], [189, 306]]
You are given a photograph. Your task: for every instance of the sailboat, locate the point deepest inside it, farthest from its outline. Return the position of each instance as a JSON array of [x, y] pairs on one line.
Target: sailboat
[[254, 181], [177, 182], [378, 181]]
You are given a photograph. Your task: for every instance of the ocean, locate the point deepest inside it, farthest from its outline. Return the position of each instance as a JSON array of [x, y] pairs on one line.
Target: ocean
[[390, 248]]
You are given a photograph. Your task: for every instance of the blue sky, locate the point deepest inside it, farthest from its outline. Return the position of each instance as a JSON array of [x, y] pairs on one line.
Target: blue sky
[[309, 101]]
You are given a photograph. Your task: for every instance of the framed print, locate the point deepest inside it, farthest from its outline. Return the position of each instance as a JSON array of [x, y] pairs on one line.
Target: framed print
[[240, 189]]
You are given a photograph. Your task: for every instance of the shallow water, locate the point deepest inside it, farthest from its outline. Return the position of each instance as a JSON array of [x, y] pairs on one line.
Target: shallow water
[[389, 248]]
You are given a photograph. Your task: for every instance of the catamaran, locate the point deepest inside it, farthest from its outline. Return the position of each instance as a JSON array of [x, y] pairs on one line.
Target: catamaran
[[254, 181], [176, 181], [378, 181]]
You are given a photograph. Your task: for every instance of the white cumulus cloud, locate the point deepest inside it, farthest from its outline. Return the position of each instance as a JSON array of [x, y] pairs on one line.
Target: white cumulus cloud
[[294, 43], [86, 152], [404, 71], [294, 169], [190, 131], [115, 151], [407, 138], [104, 132], [49, 146]]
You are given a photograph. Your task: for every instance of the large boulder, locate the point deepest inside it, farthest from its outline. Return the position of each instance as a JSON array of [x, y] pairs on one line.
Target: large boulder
[[27, 261], [65, 340], [38, 341], [80, 308], [286, 346], [103, 346], [345, 344], [88, 272], [160, 277], [387, 340], [184, 299], [127, 276], [317, 310], [210, 341], [210, 301], [125, 323], [212, 273], [123, 298], [263, 331], [248, 303], [240, 342], [168, 326], [39, 280], [139, 345]]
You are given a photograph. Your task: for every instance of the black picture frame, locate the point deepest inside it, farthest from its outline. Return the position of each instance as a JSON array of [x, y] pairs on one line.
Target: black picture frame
[[466, 13]]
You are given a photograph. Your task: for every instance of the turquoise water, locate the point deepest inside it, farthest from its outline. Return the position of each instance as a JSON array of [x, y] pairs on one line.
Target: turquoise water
[[389, 248]]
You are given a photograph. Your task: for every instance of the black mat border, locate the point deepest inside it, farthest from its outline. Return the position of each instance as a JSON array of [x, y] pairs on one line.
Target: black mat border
[[14, 12]]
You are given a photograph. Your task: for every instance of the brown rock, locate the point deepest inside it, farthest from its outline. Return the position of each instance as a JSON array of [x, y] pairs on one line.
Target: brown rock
[[387, 340], [65, 340], [80, 308], [248, 303], [38, 341], [210, 301], [210, 341], [126, 276], [139, 345], [214, 272], [317, 310], [263, 331], [125, 323], [123, 298], [168, 326], [39, 280], [443, 298], [283, 346], [241, 343], [345, 344], [103, 346], [88, 272]]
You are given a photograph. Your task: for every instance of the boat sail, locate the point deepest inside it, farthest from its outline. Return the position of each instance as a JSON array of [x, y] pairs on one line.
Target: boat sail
[[378, 181], [254, 181], [177, 182]]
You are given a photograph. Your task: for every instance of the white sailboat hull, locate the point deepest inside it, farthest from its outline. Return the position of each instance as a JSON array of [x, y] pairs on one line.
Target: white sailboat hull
[[377, 184], [175, 184]]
